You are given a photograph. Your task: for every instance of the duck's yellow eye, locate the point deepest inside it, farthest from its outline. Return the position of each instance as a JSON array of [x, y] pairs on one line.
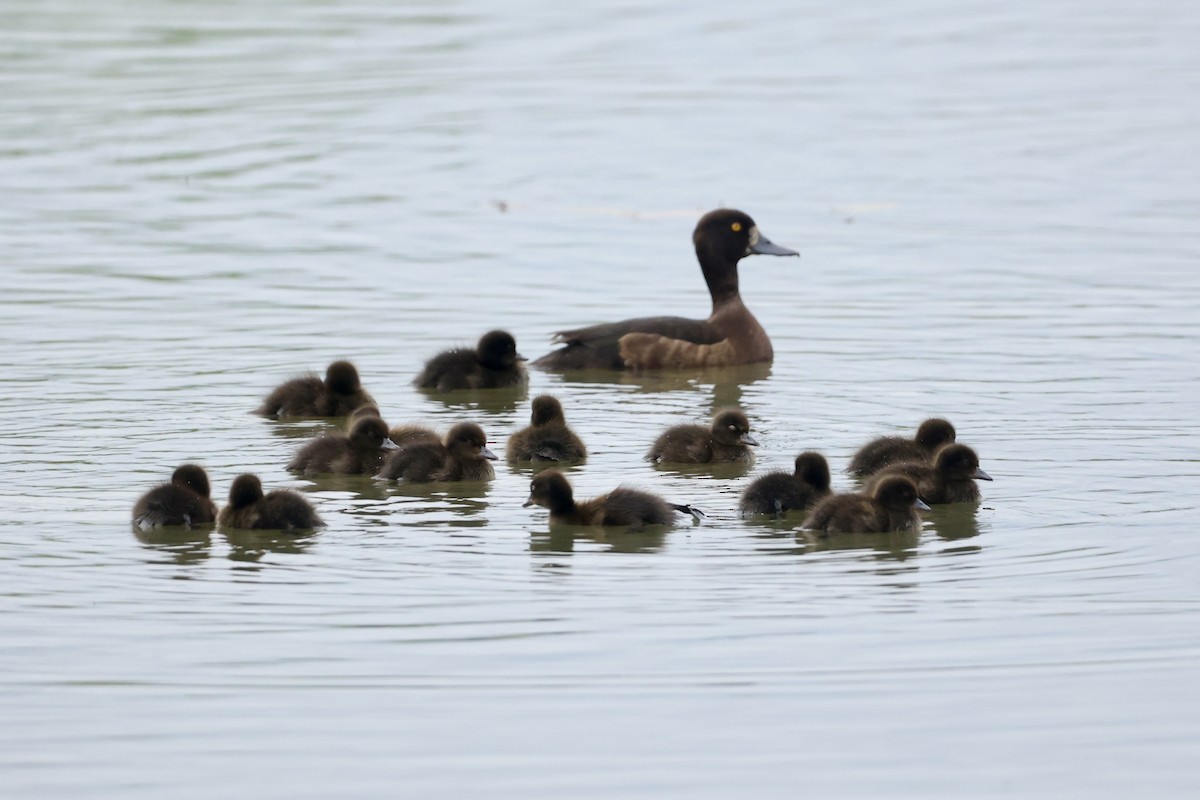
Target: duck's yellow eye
[[737, 226]]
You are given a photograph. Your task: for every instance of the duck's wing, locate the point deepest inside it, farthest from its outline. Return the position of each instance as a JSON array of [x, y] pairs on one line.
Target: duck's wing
[[599, 346]]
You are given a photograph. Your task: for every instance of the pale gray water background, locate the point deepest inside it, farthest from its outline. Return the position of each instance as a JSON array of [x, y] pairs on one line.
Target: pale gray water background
[[996, 205]]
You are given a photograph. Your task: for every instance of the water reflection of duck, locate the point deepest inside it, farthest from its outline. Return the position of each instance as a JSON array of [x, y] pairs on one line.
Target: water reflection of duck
[[624, 507], [279, 509], [548, 438], [185, 500], [493, 363], [949, 479], [891, 505], [779, 492], [464, 456], [309, 396], [360, 452], [726, 440], [879, 453], [731, 335]]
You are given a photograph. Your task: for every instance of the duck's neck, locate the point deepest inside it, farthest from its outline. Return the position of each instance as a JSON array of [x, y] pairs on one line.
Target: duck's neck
[[720, 273]]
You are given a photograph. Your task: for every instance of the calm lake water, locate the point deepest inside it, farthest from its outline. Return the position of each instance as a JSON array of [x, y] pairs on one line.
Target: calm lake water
[[996, 206]]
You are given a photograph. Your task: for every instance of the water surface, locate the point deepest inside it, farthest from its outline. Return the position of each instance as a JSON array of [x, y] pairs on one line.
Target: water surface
[[996, 209]]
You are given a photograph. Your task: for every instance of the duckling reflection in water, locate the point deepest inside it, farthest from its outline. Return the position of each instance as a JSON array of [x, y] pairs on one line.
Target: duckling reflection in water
[[629, 508], [309, 396], [184, 501], [879, 453]]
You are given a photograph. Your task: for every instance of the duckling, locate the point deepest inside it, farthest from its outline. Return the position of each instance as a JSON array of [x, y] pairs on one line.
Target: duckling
[[463, 457], [183, 501], [779, 492], [280, 509], [547, 438], [878, 453], [628, 508], [309, 396], [891, 505], [949, 479], [731, 335], [494, 363], [360, 452], [410, 434], [728, 439]]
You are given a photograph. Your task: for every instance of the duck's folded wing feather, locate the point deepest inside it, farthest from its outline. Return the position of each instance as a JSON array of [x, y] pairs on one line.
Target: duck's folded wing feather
[[599, 345]]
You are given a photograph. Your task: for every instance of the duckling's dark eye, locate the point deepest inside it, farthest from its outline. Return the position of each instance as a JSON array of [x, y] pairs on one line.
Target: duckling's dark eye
[[733, 427], [737, 226]]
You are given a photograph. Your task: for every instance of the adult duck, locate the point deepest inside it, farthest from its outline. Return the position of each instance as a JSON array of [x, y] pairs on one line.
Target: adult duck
[[730, 336]]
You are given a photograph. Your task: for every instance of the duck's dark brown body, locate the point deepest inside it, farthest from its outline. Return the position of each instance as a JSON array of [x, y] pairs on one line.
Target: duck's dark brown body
[[731, 335]]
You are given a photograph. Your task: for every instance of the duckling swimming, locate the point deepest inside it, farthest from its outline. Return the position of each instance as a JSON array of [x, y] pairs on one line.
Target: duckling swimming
[[730, 336], [949, 479], [891, 505], [622, 506], [779, 492], [279, 509], [463, 457], [547, 438], [727, 440], [309, 396], [879, 453], [183, 501], [361, 452], [494, 363]]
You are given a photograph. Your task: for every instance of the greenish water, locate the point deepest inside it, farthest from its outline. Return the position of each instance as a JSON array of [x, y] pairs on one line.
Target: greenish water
[[995, 207]]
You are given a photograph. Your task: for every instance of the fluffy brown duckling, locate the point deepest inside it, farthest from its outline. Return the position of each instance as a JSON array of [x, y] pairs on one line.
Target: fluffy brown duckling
[[728, 439], [779, 492], [625, 507], [184, 501], [464, 456], [949, 479], [279, 509], [891, 505], [360, 452], [336, 396], [731, 335], [492, 364], [879, 453], [547, 438]]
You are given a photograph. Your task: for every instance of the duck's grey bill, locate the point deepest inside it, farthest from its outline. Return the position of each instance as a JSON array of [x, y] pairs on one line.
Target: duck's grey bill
[[765, 247]]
